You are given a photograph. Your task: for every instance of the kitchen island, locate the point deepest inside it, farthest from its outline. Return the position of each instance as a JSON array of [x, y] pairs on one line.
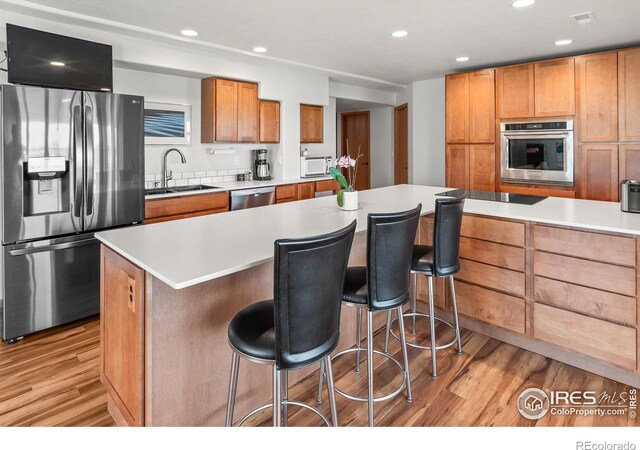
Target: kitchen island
[[557, 278]]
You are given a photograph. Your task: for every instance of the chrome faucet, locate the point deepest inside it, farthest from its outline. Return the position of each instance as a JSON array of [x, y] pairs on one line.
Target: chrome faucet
[[168, 174]]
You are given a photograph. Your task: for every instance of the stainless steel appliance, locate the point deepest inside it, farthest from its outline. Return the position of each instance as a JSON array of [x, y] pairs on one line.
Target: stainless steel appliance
[[537, 152], [252, 198], [261, 165], [630, 196], [72, 163], [314, 166]]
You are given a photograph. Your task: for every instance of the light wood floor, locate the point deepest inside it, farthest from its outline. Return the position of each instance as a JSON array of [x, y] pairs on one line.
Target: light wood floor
[[52, 378]]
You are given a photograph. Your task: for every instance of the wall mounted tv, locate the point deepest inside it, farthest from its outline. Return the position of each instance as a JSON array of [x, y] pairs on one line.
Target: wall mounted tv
[[39, 58]]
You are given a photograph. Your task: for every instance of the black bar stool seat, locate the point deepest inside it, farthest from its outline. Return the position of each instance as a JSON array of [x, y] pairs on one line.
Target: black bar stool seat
[[355, 285], [252, 331]]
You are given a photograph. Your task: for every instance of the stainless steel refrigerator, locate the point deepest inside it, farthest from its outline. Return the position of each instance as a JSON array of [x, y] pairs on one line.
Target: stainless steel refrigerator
[[72, 164]]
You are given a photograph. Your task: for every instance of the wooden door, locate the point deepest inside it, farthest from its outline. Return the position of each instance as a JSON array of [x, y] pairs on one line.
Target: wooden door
[[457, 166], [401, 144], [629, 94], [305, 191], [599, 172], [515, 91], [597, 87], [355, 130], [311, 124], [629, 159], [248, 112], [226, 110], [482, 167], [555, 88], [482, 107], [457, 107], [269, 121]]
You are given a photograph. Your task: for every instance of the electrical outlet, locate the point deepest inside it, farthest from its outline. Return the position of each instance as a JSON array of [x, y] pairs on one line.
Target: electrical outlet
[[236, 161]]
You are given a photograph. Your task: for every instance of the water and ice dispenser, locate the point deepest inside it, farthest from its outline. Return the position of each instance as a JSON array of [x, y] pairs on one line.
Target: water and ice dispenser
[[46, 185]]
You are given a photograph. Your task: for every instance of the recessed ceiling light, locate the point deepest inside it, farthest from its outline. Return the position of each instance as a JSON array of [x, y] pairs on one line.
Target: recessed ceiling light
[[259, 49], [399, 33], [523, 3], [462, 59], [57, 63], [563, 42], [190, 33]]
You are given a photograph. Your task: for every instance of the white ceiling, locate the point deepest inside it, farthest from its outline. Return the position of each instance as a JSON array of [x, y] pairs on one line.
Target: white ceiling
[[352, 37]]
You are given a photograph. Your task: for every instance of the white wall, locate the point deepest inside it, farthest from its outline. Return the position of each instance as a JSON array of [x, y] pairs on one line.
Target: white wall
[[381, 143]]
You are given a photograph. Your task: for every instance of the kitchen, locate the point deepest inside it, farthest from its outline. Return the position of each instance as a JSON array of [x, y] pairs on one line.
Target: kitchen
[[237, 155]]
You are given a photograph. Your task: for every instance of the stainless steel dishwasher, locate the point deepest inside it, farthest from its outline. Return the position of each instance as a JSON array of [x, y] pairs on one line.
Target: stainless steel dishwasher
[[251, 198]]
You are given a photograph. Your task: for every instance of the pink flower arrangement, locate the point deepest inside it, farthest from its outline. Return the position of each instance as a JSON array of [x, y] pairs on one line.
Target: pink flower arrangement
[[347, 182]]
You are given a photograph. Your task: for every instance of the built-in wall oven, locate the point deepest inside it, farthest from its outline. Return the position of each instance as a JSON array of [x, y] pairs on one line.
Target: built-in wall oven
[[537, 152]]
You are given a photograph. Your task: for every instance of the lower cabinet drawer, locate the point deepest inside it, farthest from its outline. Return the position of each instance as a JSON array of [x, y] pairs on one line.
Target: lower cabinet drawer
[[610, 342], [495, 230], [492, 253], [508, 281], [185, 206], [286, 191], [491, 307]]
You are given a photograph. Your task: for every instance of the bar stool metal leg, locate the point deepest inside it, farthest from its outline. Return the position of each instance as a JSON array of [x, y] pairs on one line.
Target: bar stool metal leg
[[285, 390], [454, 303], [320, 381], [405, 356], [387, 332], [432, 323], [414, 309], [370, 363], [332, 391], [277, 397], [233, 385], [358, 337]]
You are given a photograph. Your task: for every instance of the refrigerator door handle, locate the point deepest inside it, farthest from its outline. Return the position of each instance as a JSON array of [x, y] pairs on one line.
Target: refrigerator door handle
[[88, 117], [52, 247], [78, 170]]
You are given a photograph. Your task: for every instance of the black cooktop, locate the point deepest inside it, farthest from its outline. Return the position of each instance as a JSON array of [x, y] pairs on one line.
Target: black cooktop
[[503, 197]]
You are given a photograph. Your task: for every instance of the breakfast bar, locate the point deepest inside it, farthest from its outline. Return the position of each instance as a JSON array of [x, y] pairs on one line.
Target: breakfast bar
[[558, 278]]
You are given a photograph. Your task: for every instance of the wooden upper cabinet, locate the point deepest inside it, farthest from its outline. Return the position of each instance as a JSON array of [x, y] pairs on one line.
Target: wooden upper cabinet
[[629, 94], [226, 110], [482, 167], [229, 111], [482, 107], [457, 108], [457, 166], [311, 124], [555, 88], [515, 91], [269, 121], [597, 87], [599, 172], [248, 113], [629, 162]]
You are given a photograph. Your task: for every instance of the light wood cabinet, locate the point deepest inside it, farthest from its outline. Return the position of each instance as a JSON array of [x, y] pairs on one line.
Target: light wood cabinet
[[599, 172], [470, 107], [515, 91], [629, 162], [305, 191], [597, 87], [555, 88], [286, 193], [311, 124], [629, 94], [482, 167], [182, 207], [457, 108], [122, 337], [269, 121], [327, 185], [229, 111], [248, 112], [457, 166]]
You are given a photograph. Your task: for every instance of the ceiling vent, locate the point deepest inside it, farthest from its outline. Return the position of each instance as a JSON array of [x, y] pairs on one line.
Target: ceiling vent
[[584, 18]]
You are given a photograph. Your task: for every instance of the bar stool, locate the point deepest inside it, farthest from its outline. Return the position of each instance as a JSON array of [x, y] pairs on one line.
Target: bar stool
[[301, 326], [383, 285], [439, 260]]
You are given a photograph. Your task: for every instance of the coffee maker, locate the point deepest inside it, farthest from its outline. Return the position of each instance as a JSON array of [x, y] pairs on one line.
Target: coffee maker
[[261, 166]]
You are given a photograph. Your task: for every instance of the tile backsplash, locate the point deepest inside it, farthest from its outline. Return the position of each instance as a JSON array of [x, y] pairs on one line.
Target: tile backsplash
[[153, 180]]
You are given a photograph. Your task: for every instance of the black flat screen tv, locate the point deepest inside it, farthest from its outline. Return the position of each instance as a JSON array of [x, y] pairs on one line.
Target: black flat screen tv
[[39, 58]]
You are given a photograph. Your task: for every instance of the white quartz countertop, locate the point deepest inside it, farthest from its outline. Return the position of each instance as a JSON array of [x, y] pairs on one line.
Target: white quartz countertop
[[237, 185], [186, 252]]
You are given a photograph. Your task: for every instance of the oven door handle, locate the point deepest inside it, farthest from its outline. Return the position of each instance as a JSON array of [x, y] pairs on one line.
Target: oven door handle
[[539, 135]]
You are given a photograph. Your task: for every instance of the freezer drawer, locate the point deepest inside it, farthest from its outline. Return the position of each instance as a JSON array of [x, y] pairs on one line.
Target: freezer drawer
[[50, 282]]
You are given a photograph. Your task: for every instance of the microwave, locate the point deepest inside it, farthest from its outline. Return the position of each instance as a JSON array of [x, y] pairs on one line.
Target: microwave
[[315, 166]]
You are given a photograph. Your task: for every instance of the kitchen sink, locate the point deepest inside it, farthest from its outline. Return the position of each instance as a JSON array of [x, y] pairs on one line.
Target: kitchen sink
[[176, 189]]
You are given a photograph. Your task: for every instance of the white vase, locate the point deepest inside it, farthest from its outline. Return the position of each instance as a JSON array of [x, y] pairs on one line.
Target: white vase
[[349, 201]]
